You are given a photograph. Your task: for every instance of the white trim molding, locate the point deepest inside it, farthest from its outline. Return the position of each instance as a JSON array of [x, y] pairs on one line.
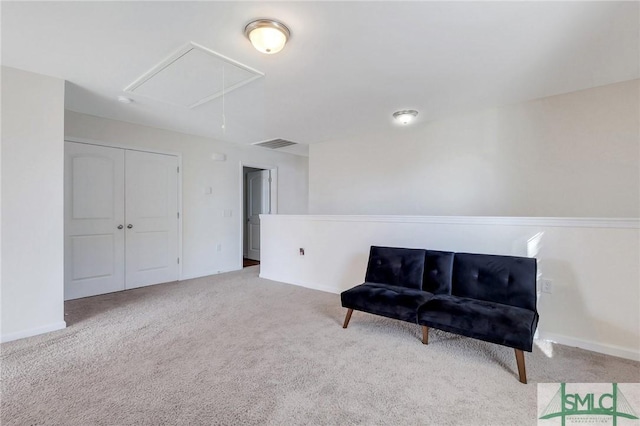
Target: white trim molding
[[602, 348], [33, 332], [207, 274], [573, 222], [325, 289]]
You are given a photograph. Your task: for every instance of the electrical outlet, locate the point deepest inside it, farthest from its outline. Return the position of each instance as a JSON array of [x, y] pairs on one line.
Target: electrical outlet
[[546, 285], [219, 247], [301, 251]]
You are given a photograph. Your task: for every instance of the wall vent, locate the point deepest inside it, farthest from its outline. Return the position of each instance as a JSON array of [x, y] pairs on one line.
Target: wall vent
[[275, 143], [192, 76]]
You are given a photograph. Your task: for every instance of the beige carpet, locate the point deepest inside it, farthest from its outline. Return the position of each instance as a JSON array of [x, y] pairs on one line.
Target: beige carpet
[[237, 349]]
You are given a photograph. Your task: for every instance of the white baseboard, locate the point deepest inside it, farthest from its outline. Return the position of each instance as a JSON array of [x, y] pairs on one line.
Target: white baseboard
[[312, 287], [206, 274], [33, 332], [602, 348]]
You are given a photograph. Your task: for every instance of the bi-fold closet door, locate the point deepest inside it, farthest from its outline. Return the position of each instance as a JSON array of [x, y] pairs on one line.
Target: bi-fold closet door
[[121, 219]]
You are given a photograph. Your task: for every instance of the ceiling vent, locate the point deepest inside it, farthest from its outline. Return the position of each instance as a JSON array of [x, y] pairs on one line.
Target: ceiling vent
[[192, 76], [275, 143]]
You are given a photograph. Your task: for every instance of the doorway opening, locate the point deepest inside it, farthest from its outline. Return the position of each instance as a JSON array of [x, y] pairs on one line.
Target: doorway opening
[[258, 197]]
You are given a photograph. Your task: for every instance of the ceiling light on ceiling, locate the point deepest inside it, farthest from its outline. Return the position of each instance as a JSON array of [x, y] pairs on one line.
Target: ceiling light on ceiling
[[267, 36], [405, 116], [124, 100]]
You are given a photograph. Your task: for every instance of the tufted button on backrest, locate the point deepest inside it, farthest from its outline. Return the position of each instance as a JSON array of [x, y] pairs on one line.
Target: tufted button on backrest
[[396, 266], [509, 280], [437, 271]]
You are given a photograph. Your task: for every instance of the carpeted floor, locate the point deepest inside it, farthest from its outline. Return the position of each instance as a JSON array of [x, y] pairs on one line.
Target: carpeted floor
[[237, 349]]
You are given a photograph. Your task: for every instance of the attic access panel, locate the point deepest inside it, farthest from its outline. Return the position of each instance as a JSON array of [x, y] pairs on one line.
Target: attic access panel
[[192, 76]]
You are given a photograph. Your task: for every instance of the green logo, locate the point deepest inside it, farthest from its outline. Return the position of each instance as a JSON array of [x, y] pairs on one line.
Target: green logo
[[565, 405]]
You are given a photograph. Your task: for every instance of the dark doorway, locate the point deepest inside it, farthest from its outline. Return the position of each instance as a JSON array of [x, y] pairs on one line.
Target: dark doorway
[[248, 262]]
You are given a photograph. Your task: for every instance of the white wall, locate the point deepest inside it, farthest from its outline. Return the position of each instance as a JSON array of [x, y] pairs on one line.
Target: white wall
[[593, 263], [572, 155], [32, 204], [204, 226]]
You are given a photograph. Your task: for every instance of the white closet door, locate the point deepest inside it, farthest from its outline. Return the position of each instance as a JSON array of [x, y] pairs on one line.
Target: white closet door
[[94, 215], [151, 189]]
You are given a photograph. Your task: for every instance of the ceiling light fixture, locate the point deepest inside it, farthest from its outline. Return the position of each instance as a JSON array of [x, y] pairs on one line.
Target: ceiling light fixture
[[405, 116], [124, 100], [267, 36]]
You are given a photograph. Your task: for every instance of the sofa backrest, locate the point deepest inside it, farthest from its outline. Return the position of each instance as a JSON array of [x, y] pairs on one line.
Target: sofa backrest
[[508, 280], [438, 266], [396, 266]]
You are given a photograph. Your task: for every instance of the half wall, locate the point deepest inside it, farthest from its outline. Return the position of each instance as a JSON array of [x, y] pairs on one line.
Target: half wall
[[592, 263]]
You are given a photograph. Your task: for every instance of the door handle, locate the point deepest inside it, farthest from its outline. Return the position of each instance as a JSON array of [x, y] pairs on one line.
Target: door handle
[[120, 226], [129, 226]]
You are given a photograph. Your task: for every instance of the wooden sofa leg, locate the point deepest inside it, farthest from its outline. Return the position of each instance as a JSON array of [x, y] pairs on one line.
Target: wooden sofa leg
[[425, 334], [521, 370], [347, 318]]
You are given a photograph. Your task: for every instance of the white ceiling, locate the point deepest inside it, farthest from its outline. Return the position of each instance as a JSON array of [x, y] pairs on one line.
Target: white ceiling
[[346, 69]]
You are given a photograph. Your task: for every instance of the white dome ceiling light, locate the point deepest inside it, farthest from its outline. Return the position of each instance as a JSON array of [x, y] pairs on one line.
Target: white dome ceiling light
[[267, 36], [405, 116]]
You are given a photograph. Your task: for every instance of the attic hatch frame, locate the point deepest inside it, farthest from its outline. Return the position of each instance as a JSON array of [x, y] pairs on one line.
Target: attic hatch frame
[[171, 59]]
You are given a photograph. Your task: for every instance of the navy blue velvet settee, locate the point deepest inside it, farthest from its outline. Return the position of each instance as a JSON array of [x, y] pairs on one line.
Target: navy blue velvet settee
[[487, 297]]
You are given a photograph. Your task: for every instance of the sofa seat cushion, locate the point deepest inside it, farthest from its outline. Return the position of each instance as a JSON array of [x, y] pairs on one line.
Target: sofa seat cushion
[[387, 300], [492, 322]]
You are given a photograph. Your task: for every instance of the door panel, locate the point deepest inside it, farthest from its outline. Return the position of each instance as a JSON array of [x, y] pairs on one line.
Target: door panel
[[92, 256], [155, 255], [254, 241], [92, 187], [94, 208], [152, 221], [258, 202]]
